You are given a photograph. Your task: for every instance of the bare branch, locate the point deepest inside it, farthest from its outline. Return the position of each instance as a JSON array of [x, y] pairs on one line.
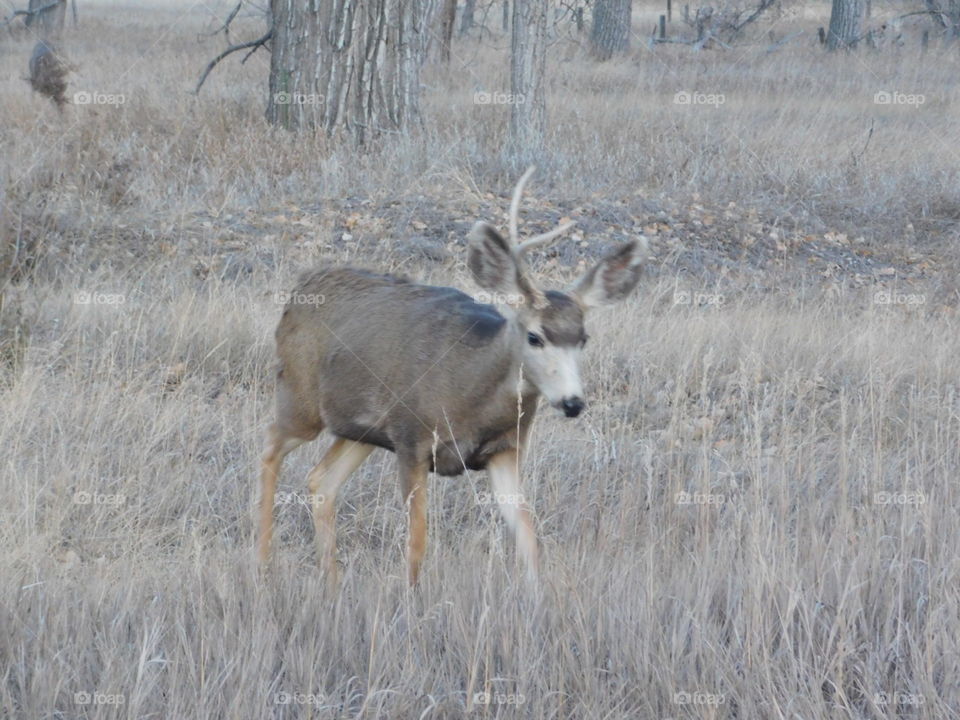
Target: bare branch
[[225, 28], [254, 44], [760, 9], [939, 15], [30, 13]]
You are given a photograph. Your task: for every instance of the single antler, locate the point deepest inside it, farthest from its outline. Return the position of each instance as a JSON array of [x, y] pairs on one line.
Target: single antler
[[520, 248], [523, 247]]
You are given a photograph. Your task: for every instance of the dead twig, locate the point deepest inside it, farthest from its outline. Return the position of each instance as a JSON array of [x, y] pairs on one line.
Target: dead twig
[[777, 45], [856, 156]]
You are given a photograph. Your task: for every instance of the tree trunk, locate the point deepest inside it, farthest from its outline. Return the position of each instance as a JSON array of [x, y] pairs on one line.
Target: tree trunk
[[610, 33], [466, 20], [350, 65], [528, 44], [845, 20], [50, 21], [448, 17]]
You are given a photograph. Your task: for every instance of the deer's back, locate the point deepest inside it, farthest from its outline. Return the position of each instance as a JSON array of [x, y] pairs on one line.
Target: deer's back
[[390, 361]]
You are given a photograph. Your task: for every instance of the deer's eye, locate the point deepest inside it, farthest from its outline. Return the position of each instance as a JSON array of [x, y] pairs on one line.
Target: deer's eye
[[535, 340]]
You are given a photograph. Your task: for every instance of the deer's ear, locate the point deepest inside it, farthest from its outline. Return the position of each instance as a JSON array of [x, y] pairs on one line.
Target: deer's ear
[[613, 278], [493, 264]]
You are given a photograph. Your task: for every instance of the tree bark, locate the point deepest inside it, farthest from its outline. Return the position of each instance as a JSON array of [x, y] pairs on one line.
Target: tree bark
[[448, 17], [528, 46], [348, 65], [466, 20], [846, 18], [610, 33]]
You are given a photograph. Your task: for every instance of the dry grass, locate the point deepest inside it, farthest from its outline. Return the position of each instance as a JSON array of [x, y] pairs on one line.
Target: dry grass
[[812, 574]]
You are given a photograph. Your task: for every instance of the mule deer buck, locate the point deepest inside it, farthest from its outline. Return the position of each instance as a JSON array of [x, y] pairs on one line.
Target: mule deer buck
[[446, 383]]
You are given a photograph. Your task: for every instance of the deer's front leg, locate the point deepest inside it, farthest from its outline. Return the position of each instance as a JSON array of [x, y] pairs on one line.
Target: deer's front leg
[[413, 487], [504, 469], [324, 481]]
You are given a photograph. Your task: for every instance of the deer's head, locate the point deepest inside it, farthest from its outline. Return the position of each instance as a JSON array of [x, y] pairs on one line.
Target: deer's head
[[550, 322]]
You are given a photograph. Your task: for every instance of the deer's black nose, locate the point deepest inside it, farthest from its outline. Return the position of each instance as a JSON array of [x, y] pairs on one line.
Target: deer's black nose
[[572, 406]]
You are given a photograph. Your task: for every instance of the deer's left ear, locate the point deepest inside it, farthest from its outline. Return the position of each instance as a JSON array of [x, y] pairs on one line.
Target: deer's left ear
[[497, 268], [614, 277]]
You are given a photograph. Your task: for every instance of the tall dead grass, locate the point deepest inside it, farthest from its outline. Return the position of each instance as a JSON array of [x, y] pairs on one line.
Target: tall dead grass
[[756, 518]]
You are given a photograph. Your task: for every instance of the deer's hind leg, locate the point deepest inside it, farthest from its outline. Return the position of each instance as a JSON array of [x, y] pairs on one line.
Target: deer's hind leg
[[295, 426]]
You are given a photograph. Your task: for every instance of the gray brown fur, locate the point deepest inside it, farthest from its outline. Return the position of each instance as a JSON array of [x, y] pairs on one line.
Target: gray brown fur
[[401, 350], [48, 73]]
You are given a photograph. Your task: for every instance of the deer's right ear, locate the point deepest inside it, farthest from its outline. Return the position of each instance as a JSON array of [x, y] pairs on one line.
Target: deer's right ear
[[492, 263], [614, 277]]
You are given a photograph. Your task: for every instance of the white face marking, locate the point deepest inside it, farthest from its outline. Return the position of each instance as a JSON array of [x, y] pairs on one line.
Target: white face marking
[[555, 371]]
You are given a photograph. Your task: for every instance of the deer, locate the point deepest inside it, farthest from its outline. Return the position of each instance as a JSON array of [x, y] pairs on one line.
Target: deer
[[444, 381]]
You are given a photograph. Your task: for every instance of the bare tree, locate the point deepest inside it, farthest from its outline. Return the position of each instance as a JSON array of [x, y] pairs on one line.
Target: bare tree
[[351, 65], [610, 33], [448, 17], [47, 16], [846, 19], [528, 45]]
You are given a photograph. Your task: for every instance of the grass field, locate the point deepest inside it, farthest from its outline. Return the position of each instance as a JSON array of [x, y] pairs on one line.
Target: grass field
[[755, 518]]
